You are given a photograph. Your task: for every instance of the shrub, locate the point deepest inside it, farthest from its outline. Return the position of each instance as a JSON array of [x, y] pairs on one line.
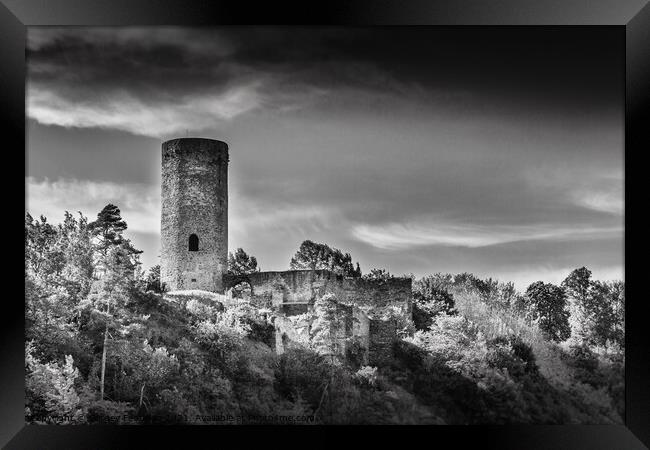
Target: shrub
[[366, 376], [50, 388]]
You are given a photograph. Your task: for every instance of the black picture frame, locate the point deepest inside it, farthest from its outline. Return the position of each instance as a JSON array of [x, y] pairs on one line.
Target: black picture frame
[[633, 17]]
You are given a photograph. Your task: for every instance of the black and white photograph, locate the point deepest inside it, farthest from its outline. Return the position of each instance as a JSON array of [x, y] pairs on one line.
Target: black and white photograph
[[320, 225]]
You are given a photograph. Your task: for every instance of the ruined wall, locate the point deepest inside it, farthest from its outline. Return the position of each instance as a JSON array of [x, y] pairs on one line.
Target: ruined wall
[[305, 286], [361, 302], [194, 201], [296, 329], [382, 334]]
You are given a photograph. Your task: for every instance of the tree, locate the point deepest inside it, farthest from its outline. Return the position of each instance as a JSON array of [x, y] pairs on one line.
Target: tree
[[378, 275], [311, 255], [341, 263], [75, 243], [617, 294], [314, 256], [598, 308], [109, 297], [603, 314], [50, 390], [240, 263], [578, 284], [153, 282], [58, 275], [42, 257], [430, 298], [547, 303], [108, 226], [108, 229], [151, 366]]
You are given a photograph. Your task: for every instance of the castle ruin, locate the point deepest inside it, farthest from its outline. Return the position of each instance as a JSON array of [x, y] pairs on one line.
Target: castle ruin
[[194, 215], [194, 256]]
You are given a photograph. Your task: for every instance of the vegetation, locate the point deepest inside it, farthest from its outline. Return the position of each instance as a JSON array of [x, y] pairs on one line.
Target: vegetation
[[315, 256], [104, 343], [241, 263]]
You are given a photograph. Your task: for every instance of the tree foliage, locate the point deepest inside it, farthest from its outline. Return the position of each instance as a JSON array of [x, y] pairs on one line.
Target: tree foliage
[[315, 256], [430, 298], [599, 309], [548, 305], [102, 342], [153, 281], [378, 275], [240, 263], [108, 230]]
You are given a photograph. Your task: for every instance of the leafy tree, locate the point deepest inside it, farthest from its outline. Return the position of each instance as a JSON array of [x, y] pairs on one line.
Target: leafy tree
[[50, 389], [603, 314], [109, 297], [75, 243], [58, 275], [341, 263], [598, 308], [617, 294], [578, 284], [378, 274], [547, 304], [153, 282], [42, 257], [240, 263], [315, 256], [154, 366], [311, 255], [430, 298]]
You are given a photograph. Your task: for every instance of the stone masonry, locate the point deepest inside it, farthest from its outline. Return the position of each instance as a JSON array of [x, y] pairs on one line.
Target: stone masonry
[[194, 202], [370, 307]]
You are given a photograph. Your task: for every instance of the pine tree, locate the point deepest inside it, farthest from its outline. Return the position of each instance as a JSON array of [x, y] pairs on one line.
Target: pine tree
[[240, 263], [108, 230]]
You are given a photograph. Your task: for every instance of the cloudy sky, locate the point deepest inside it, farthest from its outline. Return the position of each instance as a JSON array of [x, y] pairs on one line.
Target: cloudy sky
[[497, 151]]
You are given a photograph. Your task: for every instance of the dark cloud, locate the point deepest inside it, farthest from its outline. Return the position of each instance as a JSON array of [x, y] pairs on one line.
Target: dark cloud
[[542, 69]]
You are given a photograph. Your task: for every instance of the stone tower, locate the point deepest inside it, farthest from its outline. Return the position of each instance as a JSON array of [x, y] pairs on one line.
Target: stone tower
[[194, 218]]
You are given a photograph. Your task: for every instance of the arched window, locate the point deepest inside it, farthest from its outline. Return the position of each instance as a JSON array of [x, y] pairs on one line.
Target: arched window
[[194, 243]]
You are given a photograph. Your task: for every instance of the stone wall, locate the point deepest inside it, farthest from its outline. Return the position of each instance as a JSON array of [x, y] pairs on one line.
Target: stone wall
[[304, 286], [382, 335], [361, 302], [296, 329], [194, 201]]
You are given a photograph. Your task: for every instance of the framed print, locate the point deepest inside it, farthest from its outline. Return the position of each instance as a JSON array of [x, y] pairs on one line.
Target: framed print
[[376, 218]]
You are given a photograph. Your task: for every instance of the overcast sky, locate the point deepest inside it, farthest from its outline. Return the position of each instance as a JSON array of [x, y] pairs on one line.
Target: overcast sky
[[497, 151]]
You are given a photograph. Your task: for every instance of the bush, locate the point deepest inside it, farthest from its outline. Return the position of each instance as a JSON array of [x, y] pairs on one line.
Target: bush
[[366, 376], [51, 395], [302, 374]]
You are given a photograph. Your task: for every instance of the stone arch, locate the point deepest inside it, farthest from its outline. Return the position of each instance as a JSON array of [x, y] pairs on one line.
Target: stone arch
[[231, 281]]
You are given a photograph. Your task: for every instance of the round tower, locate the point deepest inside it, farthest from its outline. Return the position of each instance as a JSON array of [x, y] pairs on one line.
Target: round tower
[[194, 216]]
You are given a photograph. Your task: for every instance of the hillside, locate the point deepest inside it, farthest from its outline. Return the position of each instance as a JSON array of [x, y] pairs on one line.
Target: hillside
[[108, 348], [211, 364]]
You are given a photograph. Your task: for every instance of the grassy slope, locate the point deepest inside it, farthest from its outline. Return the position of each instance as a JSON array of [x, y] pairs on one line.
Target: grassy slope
[[414, 389]]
